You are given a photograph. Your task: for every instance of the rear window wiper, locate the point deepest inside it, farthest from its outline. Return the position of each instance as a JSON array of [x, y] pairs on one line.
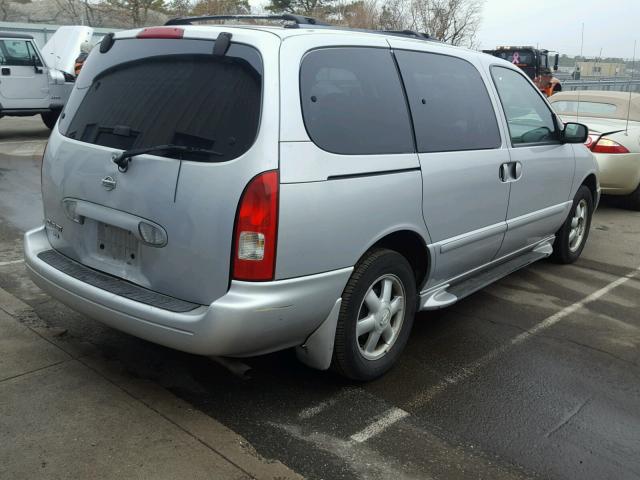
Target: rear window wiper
[[123, 159]]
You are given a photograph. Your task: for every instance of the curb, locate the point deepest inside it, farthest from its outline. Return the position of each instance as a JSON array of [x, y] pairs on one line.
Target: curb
[[212, 434]]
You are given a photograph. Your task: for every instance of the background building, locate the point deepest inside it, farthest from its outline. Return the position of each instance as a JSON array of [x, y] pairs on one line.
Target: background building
[[588, 69]]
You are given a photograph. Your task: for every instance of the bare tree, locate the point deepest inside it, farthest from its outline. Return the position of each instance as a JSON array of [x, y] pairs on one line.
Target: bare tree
[[220, 7], [133, 12], [314, 8], [80, 11], [179, 8], [452, 21], [5, 9], [358, 14], [394, 15]]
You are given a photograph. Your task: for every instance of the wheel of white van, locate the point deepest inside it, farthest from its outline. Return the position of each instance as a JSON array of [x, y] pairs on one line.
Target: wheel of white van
[[50, 119], [572, 237], [376, 316]]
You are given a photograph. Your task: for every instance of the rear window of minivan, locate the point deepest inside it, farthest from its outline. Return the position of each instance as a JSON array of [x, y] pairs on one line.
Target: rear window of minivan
[[148, 92]]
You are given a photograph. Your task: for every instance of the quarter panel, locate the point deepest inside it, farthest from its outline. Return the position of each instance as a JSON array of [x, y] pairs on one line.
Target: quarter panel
[[329, 225], [619, 173], [305, 162]]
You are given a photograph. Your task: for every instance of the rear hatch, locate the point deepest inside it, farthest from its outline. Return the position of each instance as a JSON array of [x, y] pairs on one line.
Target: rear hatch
[[166, 223]]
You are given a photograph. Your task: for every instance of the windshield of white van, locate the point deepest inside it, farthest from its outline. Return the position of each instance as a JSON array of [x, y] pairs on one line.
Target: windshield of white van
[[143, 93]]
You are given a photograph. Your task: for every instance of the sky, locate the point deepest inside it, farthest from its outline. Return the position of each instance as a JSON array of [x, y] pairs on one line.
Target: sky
[[610, 25]]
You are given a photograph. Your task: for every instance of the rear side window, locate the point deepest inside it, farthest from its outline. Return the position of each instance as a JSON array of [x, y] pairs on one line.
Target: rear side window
[[147, 92], [353, 103], [449, 102], [594, 108]]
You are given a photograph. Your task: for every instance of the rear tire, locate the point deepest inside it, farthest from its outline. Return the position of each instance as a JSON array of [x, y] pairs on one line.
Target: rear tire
[[632, 201], [50, 118], [376, 316], [572, 236]]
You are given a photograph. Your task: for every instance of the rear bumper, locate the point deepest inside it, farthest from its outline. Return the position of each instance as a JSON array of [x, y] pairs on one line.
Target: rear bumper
[[250, 319]]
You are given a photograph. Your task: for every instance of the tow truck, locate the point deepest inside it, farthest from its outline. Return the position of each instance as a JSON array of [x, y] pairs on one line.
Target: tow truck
[[535, 63]]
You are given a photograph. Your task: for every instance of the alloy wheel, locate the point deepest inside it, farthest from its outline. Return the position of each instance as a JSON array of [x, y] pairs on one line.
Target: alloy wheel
[[578, 225], [380, 317]]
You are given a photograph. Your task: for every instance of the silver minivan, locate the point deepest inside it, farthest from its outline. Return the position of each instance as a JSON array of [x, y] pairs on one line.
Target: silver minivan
[[234, 190]]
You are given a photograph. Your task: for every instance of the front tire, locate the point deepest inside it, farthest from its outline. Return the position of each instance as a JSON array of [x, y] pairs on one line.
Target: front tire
[[376, 316], [50, 118], [572, 236]]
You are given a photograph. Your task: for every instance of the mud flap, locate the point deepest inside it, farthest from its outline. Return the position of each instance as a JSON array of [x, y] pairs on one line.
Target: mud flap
[[317, 351]]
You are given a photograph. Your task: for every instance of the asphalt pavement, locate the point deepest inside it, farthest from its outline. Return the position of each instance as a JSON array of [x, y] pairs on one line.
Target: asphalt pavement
[[536, 376]]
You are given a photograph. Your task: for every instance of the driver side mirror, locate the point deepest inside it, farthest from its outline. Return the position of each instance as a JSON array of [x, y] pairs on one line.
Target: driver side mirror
[[34, 62], [575, 133]]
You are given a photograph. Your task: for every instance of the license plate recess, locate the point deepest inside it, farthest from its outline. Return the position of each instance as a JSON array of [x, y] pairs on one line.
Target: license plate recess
[[117, 244]]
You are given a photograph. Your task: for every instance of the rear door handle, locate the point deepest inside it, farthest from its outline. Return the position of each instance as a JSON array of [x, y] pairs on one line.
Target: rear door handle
[[6, 71]]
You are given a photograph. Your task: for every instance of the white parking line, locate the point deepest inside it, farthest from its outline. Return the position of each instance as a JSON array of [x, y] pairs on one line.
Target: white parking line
[[11, 262], [466, 372], [309, 412], [389, 417], [320, 407], [394, 415]]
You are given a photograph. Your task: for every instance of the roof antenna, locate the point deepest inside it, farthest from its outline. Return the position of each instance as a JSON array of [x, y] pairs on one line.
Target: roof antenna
[[577, 67], [626, 130]]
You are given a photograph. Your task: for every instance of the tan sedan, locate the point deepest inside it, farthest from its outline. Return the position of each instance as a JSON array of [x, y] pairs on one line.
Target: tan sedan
[[614, 141]]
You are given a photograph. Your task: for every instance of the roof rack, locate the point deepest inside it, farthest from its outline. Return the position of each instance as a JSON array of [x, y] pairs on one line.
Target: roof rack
[[407, 33], [287, 17], [300, 21], [395, 33]]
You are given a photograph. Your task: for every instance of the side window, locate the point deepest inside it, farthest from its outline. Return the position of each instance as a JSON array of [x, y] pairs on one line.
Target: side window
[[15, 53], [530, 119], [353, 103], [449, 102]]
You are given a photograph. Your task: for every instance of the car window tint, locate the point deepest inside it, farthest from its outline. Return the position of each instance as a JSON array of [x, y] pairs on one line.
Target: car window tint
[[449, 102], [571, 106], [352, 101], [15, 53], [157, 91], [529, 118]]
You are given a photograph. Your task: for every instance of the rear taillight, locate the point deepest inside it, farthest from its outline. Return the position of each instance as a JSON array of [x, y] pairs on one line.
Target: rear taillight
[[161, 32], [255, 236], [593, 137], [604, 145]]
